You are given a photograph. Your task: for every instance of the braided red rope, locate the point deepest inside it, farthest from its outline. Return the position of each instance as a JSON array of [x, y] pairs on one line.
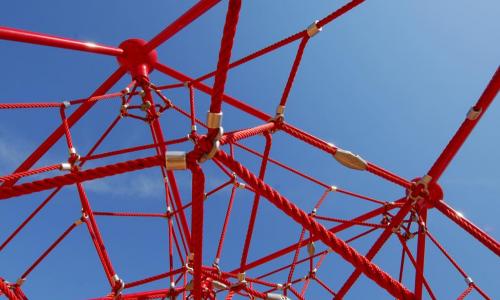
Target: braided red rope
[[348, 253], [480, 235], [225, 54], [198, 195], [5, 289], [80, 176]]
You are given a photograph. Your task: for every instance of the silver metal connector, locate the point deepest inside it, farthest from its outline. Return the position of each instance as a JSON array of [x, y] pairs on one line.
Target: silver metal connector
[[175, 160]]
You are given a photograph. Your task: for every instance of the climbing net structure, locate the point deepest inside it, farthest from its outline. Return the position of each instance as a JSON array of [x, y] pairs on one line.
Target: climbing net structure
[[190, 273]]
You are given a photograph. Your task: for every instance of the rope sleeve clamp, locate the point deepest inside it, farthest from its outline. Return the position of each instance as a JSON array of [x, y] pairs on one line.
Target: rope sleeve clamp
[[273, 296], [350, 160], [474, 113], [175, 160], [313, 29]]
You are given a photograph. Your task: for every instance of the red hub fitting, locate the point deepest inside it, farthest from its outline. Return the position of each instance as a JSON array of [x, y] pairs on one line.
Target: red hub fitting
[[138, 62], [425, 195]]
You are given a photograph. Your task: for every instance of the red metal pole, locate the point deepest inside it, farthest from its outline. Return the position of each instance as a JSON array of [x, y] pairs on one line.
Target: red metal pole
[[473, 117], [59, 132], [189, 16], [31, 37]]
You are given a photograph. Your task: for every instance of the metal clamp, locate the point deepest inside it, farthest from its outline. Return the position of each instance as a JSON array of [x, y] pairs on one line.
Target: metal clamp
[[126, 91], [219, 285], [215, 146], [65, 166], [468, 280], [20, 281], [121, 282], [474, 113], [350, 160], [242, 277], [311, 248], [273, 296], [214, 120], [66, 104], [175, 160], [313, 29]]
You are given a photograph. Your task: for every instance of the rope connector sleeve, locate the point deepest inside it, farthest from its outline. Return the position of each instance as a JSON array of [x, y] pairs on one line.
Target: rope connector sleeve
[[219, 285], [273, 296], [468, 280], [175, 160], [65, 166], [313, 29], [350, 160], [214, 120], [280, 111], [66, 104], [20, 281], [474, 113]]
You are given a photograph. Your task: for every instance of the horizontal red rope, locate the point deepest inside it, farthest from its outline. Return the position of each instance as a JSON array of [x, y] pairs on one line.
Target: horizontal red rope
[[80, 176]]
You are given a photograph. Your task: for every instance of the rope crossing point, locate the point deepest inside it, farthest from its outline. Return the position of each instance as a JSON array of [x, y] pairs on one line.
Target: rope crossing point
[[195, 279], [369, 269]]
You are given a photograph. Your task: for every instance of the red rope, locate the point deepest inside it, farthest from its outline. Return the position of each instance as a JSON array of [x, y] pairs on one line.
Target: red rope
[[5, 289], [225, 54], [79, 176], [293, 72], [348, 253], [198, 190], [468, 226]]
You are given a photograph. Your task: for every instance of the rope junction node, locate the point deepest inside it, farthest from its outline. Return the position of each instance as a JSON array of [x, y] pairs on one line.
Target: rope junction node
[[188, 275]]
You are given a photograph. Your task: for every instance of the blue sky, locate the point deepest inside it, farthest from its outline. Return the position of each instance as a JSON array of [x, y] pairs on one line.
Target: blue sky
[[391, 80]]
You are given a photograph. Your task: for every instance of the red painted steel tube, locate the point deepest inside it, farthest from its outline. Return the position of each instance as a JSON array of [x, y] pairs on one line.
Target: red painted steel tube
[[189, 16], [468, 226], [31, 37], [371, 270], [59, 132], [80, 176], [396, 221], [466, 128]]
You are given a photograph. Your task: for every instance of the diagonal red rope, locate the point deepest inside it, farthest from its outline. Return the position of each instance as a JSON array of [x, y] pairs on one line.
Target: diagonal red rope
[[371, 270]]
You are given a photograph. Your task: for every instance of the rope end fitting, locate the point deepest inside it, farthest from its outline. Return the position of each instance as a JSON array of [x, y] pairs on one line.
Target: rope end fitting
[[350, 160], [273, 296], [214, 122], [313, 29], [175, 160]]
